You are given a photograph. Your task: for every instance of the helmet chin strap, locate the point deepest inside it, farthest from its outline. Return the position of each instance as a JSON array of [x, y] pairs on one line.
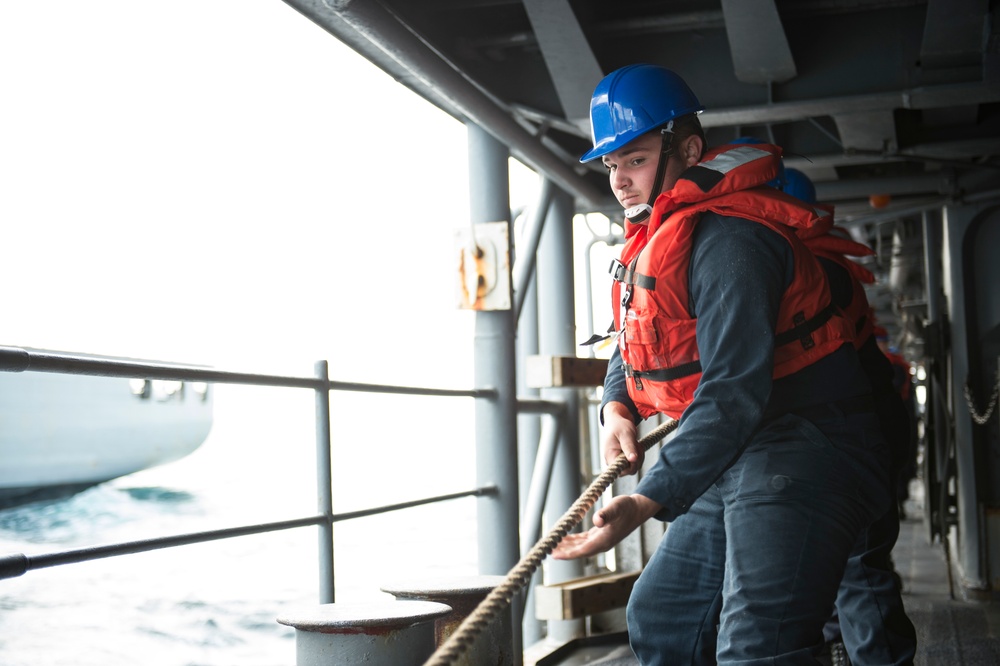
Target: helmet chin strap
[[640, 213]]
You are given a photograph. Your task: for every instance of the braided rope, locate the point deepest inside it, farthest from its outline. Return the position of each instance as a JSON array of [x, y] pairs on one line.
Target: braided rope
[[499, 598]]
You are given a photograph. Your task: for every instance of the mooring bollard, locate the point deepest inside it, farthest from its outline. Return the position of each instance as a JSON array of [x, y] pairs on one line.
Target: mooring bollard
[[495, 645], [381, 633]]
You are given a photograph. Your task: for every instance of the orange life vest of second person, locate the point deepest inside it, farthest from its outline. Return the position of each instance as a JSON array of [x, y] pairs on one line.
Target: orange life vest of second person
[[651, 296], [833, 243]]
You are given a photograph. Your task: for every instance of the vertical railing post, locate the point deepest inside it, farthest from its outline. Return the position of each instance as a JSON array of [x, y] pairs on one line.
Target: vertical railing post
[[528, 425], [494, 357], [557, 337], [324, 484], [494, 354]]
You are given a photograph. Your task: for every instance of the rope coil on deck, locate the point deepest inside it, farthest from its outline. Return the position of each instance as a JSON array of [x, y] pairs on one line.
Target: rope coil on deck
[[500, 597]]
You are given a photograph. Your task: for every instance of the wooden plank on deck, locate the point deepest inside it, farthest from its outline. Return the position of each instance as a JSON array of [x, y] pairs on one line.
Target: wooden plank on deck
[[583, 596], [564, 371]]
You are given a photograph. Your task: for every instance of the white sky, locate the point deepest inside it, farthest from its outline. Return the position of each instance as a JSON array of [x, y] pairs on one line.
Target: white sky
[[222, 182]]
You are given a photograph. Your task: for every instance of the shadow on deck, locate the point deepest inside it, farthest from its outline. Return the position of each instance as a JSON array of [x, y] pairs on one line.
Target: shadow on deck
[[950, 631]]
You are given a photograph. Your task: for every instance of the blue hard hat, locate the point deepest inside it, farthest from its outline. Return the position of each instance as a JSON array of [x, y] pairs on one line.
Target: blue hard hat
[[799, 186], [633, 100]]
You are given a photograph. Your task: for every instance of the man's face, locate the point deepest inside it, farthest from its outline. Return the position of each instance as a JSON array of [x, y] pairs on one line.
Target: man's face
[[632, 170]]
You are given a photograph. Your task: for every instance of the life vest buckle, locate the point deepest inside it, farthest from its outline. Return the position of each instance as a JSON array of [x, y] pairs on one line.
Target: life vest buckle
[[806, 339], [633, 374], [617, 270]]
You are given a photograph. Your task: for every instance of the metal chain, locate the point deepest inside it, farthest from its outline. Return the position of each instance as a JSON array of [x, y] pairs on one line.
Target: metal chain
[[981, 419], [499, 598]]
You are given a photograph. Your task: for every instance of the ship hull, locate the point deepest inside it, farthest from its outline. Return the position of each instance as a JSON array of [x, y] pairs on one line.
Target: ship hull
[[62, 433]]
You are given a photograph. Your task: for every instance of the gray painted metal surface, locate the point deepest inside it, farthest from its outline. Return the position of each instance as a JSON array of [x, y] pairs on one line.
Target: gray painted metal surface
[[757, 41], [369, 26], [494, 352], [557, 337], [528, 424], [324, 487], [954, 33], [970, 535], [525, 263], [493, 645], [389, 633], [810, 73], [568, 57], [496, 422]]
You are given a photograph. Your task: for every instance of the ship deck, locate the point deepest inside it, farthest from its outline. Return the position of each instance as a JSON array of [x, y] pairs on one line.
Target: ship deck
[[951, 631]]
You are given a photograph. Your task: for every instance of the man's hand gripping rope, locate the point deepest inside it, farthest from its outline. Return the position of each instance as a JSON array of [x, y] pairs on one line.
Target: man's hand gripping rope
[[500, 597]]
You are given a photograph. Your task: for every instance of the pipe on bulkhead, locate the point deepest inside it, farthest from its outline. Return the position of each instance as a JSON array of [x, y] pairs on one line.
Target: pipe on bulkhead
[[353, 21]]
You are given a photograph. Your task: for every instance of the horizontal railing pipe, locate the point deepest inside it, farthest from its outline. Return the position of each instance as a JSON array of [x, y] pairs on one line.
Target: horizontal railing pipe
[[16, 359], [410, 390], [540, 406], [478, 492], [16, 564], [46, 560]]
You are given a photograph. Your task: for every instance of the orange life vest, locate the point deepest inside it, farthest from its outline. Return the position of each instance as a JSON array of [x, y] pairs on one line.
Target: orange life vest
[[826, 240], [650, 294]]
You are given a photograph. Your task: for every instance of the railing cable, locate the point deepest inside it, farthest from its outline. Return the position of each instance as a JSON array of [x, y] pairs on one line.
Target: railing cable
[[500, 597]]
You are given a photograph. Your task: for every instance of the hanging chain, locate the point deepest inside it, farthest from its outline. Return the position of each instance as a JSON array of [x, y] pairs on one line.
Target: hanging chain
[[981, 419]]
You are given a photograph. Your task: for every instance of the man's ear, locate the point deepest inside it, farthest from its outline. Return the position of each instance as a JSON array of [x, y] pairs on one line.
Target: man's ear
[[692, 149]]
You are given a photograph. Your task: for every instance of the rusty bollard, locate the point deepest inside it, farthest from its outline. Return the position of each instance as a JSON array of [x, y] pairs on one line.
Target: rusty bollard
[[463, 594], [381, 633]]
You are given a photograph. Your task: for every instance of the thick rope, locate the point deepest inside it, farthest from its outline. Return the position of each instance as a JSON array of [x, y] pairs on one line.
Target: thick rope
[[499, 598]]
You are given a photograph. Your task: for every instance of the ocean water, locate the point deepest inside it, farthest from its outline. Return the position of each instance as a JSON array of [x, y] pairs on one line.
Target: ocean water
[[215, 604]]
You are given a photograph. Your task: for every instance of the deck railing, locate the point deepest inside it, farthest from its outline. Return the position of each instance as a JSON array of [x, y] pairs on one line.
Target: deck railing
[[14, 359]]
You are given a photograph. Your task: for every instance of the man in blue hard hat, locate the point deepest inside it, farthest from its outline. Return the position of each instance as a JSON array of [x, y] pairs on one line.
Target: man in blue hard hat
[[724, 320]]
